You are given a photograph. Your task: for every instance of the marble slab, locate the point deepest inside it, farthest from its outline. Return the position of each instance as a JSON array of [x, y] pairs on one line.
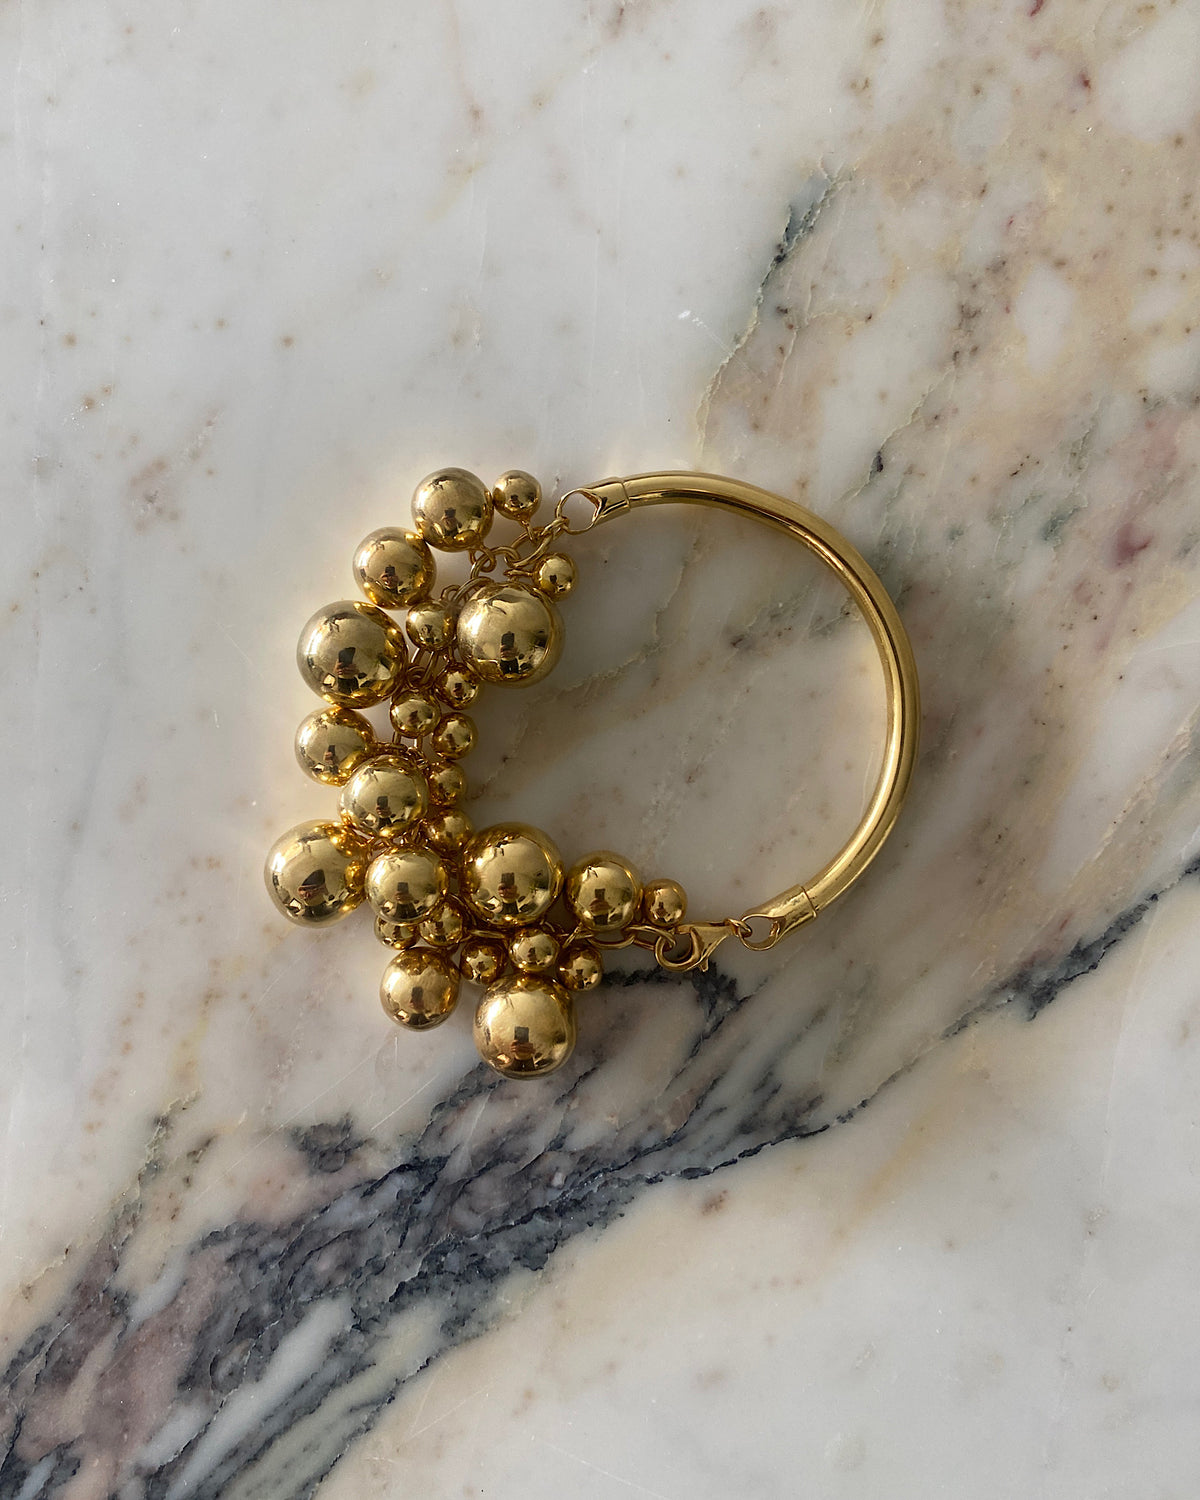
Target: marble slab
[[904, 1206]]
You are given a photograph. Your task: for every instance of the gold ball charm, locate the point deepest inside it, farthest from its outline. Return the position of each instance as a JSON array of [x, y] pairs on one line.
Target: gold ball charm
[[447, 782], [351, 654], [533, 949], [581, 968], [413, 715], [664, 903], [315, 873], [444, 926], [517, 494], [458, 688], [512, 874], [482, 960], [393, 568], [454, 736], [419, 989], [452, 510], [383, 798], [430, 626], [555, 575], [404, 885], [395, 934], [604, 893], [449, 829], [509, 634], [332, 742], [525, 1027]]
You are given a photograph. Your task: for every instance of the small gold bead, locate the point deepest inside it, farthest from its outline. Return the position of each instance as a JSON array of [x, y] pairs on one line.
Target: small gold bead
[[512, 874], [525, 1026], [452, 510], [395, 934], [332, 742], [581, 968], [454, 736], [482, 961], [533, 950], [604, 892], [517, 494], [448, 829], [419, 989], [430, 626], [404, 885], [509, 635], [458, 688], [664, 903], [447, 782], [444, 926], [555, 575], [393, 568], [315, 873], [384, 797], [351, 654], [413, 715]]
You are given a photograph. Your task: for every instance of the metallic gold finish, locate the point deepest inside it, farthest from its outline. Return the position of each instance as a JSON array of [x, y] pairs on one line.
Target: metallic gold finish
[[404, 885], [384, 798], [454, 736], [604, 892], [351, 654], [458, 688], [582, 967], [395, 934], [444, 926], [517, 494], [511, 874], [449, 829], [482, 960], [452, 510], [555, 575], [525, 1027], [315, 873], [413, 715], [664, 903], [430, 626], [533, 949], [394, 568], [419, 989], [509, 635], [447, 782], [331, 742]]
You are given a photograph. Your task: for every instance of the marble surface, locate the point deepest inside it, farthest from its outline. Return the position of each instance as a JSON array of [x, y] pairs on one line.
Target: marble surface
[[907, 1206]]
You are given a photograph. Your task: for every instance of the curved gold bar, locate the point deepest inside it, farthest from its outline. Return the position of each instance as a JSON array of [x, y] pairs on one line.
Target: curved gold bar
[[800, 903]]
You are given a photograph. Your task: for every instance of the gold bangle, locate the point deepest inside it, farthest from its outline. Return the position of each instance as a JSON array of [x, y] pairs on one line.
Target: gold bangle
[[497, 907]]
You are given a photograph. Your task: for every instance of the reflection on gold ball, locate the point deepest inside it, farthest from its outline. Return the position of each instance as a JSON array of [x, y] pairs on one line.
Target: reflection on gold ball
[[449, 829], [482, 960], [395, 934], [332, 742], [413, 715], [404, 885], [419, 989], [384, 797], [458, 688], [447, 782], [512, 874], [555, 575], [444, 926], [603, 891], [351, 654], [509, 635], [430, 626], [454, 736], [393, 568], [581, 968], [517, 494], [664, 903], [533, 949], [315, 873], [452, 509], [525, 1027]]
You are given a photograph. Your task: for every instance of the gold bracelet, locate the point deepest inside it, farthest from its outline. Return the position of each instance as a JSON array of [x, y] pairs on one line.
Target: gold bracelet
[[496, 906]]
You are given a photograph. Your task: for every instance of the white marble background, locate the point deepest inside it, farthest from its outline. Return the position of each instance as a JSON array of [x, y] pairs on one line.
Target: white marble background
[[908, 1207]]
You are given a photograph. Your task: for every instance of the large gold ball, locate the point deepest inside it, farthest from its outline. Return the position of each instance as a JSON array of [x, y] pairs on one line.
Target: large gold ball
[[351, 654], [511, 874], [315, 873], [404, 885], [384, 797], [525, 1027], [332, 742], [419, 989], [664, 903], [452, 509], [509, 634], [517, 494], [604, 892], [393, 568]]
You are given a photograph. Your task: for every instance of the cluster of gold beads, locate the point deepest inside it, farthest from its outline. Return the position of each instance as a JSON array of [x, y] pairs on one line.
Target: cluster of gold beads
[[494, 907]]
